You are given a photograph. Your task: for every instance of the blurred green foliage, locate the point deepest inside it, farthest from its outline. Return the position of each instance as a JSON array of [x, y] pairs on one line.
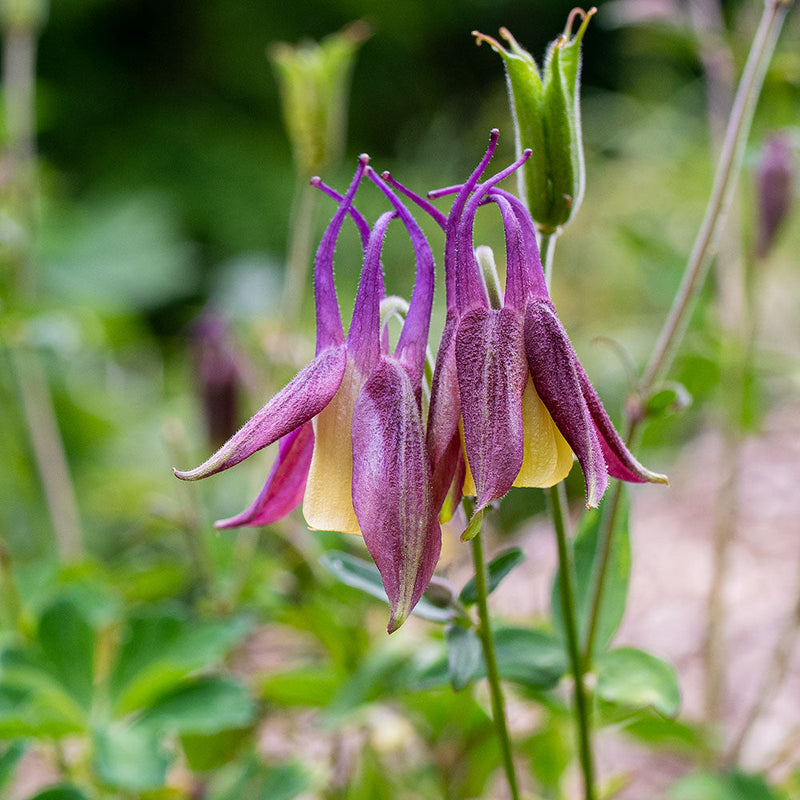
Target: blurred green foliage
[[186, 663]]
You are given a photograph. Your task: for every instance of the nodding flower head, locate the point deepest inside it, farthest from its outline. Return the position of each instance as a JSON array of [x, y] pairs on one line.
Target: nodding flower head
[[507, 382], [349, 425]]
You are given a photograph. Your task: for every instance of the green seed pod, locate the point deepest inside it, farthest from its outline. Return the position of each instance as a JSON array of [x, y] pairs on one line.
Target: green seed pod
[[545, 107]]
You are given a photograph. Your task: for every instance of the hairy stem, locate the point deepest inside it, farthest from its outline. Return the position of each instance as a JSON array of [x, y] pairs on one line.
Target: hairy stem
[[492, 672], [566, 587]]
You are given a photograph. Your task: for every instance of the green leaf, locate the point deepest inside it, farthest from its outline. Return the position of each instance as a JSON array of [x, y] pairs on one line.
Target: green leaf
[[464, 655], [733, 786], [364, 575], [67, 643], [160, 649], [204, 706], [261, 782], [615, 594], [130, 757], [63, 792], [9, 760], [671, 397], [550, 751], [497, 569], [209, 752], [633, 678], [312, 686], [530, 658], [474, 527]]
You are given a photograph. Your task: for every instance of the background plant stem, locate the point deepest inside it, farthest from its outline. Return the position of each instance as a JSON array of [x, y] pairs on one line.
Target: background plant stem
[[19, 89], [492, 672], [728, 168], [298, 259]]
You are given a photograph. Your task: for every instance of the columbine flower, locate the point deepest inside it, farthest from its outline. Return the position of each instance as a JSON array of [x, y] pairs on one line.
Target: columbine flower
[[352, 442], [507, 379]]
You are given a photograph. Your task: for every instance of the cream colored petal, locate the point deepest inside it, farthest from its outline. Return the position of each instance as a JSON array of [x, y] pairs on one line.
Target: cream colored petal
[[328, 500], [547, 458]]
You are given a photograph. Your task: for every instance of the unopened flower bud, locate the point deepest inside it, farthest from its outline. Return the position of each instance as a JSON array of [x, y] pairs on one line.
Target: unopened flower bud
[[218, 376], [314, 80], [776, 175], [545, 106]]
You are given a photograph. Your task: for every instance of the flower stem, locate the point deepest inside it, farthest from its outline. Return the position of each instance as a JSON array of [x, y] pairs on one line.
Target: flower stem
[[492, 672], [299, 249], [566, 589], [728, 168]]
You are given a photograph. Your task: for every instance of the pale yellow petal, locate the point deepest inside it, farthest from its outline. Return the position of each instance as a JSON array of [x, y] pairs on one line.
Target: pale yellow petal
[[328, 500], [547, 458]]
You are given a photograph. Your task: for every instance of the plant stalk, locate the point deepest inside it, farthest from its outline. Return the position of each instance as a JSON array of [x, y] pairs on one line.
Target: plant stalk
[[566, 587], [492, 671], [728, 168]]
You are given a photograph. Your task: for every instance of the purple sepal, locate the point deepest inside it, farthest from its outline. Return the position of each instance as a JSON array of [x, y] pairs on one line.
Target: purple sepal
[[556, 376], [492, 374], [391, 487], [283, 491], [300, 400]]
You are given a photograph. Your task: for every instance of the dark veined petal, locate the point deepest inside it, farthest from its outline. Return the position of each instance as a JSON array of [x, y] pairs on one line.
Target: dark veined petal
[[492, 374], [443, 440], [285, 485], [619, 460], [300, 400], [555, 371], [391, 487]]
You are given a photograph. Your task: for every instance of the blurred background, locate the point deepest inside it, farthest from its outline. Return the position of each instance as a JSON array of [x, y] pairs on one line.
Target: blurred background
[[142, 320]]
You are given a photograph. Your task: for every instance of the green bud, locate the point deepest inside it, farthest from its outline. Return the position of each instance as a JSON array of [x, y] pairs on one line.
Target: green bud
[[314, 80], [545, 106], [26, 15]]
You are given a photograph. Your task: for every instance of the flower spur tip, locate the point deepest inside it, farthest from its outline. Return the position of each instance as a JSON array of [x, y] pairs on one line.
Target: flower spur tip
[[363, 159]]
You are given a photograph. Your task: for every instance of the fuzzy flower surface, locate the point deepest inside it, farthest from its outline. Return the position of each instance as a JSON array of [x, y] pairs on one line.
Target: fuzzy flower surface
[[507, 383], [349, 426]]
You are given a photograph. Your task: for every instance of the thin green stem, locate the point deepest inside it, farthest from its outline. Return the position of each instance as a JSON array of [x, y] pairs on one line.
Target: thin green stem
[[566, 587], [299, 251], [728, 168], [492, 672], [547, 248]]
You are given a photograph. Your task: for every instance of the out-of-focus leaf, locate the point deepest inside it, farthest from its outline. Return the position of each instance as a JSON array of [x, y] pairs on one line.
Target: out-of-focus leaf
[[205, 706], [464, 655], [160, 649], [550, 751], [630, 677], [670, 398], [9, 760], [615, 594], [312, 686], [497, 569], [732, 786], [530, 658], [130, 757], [63, 792], [123, 253], [259, 781], [208, 752], [364, 575], [660, 731], [33, 702], [67, 643]]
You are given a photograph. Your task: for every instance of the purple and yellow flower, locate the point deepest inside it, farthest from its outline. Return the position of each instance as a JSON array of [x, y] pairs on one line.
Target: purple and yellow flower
[[352, 441], [507, 382]]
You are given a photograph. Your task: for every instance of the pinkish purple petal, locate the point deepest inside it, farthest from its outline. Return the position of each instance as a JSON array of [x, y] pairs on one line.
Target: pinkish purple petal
[[555, 371], [492, 374], [619, 460], [443, 440], [391, 487], [284, 489], [300, 400]]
